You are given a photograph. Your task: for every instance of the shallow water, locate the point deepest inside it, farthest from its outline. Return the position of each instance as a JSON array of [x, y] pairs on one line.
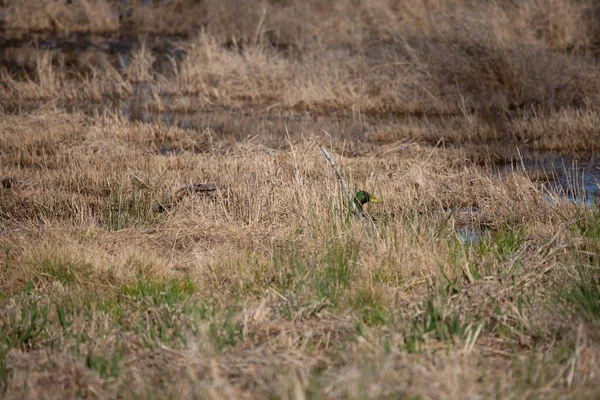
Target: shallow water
[[576, 179], [470, 234]]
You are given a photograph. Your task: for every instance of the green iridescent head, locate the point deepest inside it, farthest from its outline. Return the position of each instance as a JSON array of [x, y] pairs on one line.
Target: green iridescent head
[[363, 197]]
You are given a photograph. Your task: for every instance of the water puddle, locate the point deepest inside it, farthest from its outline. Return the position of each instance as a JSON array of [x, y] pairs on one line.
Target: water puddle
[[580, 188], [470, 234], [575, 179], [89, 51]]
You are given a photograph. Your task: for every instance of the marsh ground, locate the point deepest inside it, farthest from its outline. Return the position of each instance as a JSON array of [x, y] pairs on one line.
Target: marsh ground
[[268, 290]]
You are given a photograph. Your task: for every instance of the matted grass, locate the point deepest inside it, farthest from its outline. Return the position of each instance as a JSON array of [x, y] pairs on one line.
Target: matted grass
[[269, 291], [472, 283]]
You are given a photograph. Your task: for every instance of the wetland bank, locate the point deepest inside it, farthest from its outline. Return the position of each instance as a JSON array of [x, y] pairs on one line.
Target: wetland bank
[[475, 124]]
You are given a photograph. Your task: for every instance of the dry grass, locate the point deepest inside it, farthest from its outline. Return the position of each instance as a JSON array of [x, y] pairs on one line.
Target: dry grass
[[470, 74], [268, 292], [109, 288]]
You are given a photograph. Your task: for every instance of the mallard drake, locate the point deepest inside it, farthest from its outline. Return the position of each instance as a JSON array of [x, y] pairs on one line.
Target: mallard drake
[[360, 198], [364, 197]]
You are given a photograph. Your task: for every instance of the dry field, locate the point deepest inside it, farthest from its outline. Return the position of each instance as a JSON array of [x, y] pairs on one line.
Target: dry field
[[474, 280]]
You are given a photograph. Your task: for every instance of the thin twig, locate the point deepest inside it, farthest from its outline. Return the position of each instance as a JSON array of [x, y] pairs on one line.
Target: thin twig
[[358, 211]]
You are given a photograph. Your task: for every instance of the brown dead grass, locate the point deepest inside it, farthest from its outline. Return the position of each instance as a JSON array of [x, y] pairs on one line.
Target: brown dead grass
[[465, 83], [239, 252], [110, 289]]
